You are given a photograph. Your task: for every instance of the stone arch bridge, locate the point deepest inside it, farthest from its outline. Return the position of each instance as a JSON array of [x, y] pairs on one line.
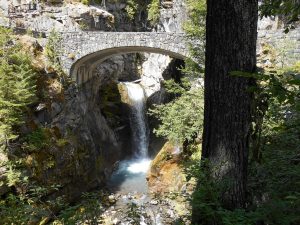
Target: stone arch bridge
[[82, 51]]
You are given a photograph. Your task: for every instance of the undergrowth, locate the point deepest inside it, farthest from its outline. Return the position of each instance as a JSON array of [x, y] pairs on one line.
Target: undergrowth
[[274, 165]]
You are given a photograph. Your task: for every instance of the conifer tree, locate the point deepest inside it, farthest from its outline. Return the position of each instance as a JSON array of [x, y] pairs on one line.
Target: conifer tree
[[17, 85]]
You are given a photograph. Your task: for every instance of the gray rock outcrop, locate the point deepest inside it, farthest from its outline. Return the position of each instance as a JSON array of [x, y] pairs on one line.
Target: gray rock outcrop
[[43, 17]]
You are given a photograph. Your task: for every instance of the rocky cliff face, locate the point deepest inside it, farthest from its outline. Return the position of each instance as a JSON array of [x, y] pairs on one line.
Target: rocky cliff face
[[86, 127], [173, 14], [82, 129], [95, 123], [45, 17]]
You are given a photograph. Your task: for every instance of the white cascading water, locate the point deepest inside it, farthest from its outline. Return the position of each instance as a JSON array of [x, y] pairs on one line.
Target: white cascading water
[[138, 120], [131, 173]]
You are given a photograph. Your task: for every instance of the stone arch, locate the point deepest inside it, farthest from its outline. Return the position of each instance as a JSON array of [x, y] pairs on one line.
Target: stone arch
[[83, 51], [82, 69]]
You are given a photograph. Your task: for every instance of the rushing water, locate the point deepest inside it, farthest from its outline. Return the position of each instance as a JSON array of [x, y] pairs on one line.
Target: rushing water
[[138, 122], [131, 174], [130, 177]]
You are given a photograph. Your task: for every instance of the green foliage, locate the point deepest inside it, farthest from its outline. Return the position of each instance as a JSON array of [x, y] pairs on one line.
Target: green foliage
[[51, 47], [52, 2], [206, 199], [181, 119], [17, 85], [14, 210], [154, 12], [131, 8], [278, 53], [27, 208], [276, 94], [195, 26], [282, 49], [274, 168], [276, 161], [110, 99], [89, 2], [13, 176], [275, 181], [289, 9], [62, 142], [87, 211], [177, 89], [17, 92], [85, 2], [37, 140], [274, 209], [195, 31], [52, 51]]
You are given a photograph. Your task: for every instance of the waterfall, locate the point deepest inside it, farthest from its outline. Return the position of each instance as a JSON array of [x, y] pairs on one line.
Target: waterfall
[[138, 120], [131, 173]]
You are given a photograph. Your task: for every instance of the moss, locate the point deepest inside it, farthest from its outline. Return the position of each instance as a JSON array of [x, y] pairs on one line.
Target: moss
[[166, 172], [56, 132], [110, 93], [62, 142], [110, 103], [162, 157], [39, 162], [85, 2], [123, 93], [37, 140], [99, 162]]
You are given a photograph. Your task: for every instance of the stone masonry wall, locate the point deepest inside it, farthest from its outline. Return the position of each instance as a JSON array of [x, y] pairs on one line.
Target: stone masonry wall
[[288, 44]]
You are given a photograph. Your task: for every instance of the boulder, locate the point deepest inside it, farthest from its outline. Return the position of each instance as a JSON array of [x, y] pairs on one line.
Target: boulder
[[166, 174]]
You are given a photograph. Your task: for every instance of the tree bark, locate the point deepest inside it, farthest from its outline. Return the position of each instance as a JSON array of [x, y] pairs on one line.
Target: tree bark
[[231, 33]]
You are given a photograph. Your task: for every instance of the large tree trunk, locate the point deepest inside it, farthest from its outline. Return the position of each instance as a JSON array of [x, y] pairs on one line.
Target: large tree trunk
[[231, 33]]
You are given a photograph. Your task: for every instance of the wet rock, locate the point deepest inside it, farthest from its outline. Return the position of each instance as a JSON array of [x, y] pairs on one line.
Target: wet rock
[[55, 108], [153, 202], [116, 221], [170, 213], [112, 199], [152, 72], [166, 174], [40, 107]]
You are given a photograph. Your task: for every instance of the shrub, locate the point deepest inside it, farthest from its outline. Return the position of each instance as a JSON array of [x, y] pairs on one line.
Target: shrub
[[154, 11], [182, 118]]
